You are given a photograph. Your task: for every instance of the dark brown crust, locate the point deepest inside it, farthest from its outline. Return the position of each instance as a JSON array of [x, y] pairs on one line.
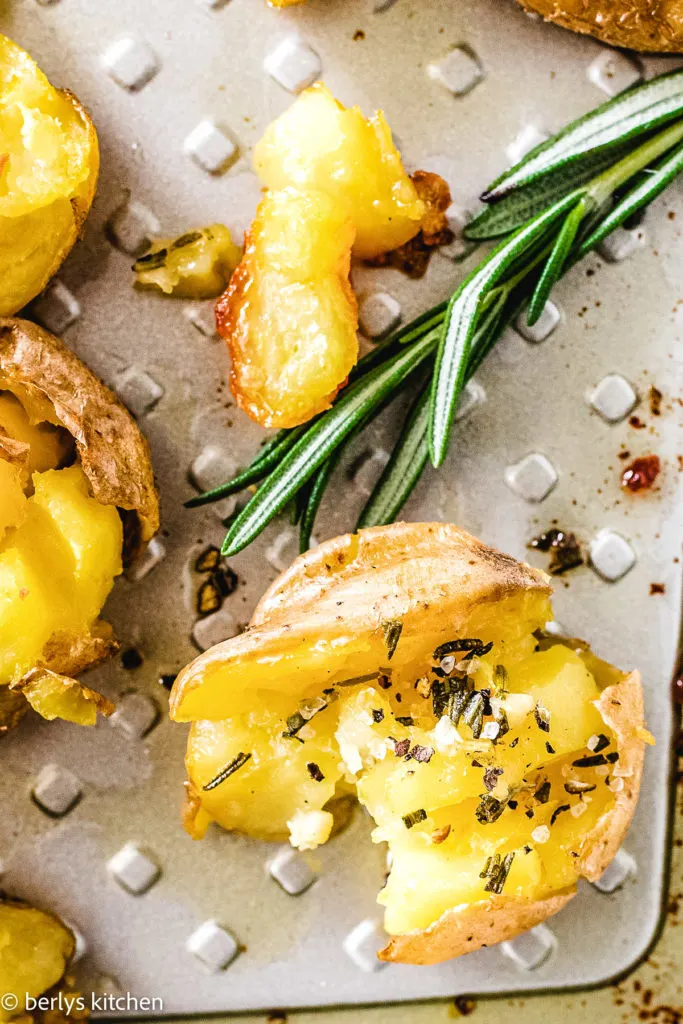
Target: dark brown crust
[[646, 25], [113, 453], [472, 926]]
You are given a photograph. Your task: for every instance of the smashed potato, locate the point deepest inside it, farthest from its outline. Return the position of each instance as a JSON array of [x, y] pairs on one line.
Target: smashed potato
[[319, 144], [49, 161], [35, 951], [500, 764], [646, 25], [77, 501], [197, 265], [289, 315]]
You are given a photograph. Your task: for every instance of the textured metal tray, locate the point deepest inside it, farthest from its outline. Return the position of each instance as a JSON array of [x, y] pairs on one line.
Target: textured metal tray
[[180, 91]]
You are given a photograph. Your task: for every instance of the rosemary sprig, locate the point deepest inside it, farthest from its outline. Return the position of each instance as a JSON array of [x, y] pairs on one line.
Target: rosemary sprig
[[556, 205]]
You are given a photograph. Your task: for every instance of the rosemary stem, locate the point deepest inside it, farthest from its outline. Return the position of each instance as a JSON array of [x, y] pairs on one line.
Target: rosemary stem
[[606, 183]]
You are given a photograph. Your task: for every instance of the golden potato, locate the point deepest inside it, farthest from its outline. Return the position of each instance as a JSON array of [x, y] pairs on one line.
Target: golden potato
[[35, 951], [77, 501], [289, 315], [319, 144], [655, 25], [48, 174], [197, 265], [499, 763]]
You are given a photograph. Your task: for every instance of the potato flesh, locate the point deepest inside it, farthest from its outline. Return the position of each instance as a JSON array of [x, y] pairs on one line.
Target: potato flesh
[[354, 739], [35, 949], [289, 316], [197, 265], [60, 549], [48, 166], [318, 144]]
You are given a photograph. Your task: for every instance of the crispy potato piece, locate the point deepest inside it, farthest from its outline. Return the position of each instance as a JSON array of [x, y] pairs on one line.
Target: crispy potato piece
[[35, 951], [654, 25], [289, 315], [65, 529], [499, 763], [319, 144], [49, 162], [197, 265]]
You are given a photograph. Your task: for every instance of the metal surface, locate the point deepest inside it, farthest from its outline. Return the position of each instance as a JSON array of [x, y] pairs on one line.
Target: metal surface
[[180, 91]]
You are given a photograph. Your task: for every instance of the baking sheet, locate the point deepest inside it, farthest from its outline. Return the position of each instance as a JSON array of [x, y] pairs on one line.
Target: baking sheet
[[151, 74]]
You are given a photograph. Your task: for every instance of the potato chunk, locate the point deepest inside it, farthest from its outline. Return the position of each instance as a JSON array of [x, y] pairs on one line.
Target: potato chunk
[[197, 265], [49, 161], [319, 144], [35, 950], [499, 763], [289, 315]]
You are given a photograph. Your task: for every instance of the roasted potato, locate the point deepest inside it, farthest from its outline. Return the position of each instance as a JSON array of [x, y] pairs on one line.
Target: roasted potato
[[289, 315], [654, 25], [500, 764], [319, 144], [49, 161], [77, 501], [35, 950], [197, 265]]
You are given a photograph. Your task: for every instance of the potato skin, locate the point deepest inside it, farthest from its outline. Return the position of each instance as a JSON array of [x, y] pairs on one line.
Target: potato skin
[[113, 453], [40, 370], [646, 25]]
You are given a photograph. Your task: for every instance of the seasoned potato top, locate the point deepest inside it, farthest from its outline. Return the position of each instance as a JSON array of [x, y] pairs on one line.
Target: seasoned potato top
[[494, 758]]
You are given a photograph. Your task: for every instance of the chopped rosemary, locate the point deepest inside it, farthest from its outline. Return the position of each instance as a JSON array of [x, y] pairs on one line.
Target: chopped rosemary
[[356, 680], [404, 720], [307, 710], [473, 715], [496, 872], [489, 809], [377, 715], [591, 761], [542, 716], [314, 771], [401, 747], [548, 746], [542, 794], [234, 766], [491, 776], [557, 812], [612, 757], [414, 817], [391, 631], [597, 743], [152, 261], [474, 647]]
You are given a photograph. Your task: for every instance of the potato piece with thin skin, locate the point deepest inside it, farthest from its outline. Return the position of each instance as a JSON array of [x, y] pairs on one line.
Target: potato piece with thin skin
[[48, 172], [35, 951], [78, 500], [490, 821], [319, 144], [197, 265], [646, 25], [289, 315]]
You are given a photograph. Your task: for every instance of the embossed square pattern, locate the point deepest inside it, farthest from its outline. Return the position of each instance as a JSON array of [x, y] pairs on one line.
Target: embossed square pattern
[[57, 308], [378, 314], [621, 244], [363, 943], [131, 228], [532, 478], [56, 790], [291, 871], [293, 64], [471, 396], [134, 870], [613, 398], [138, 390], [531, 949], [611, 555], [213, 946], [154, 553], [369, 470], [459, 71], [211, 630], [613, 72], [544, 326], [211, 147], [618, 871], [131, 63], [136, 714]]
